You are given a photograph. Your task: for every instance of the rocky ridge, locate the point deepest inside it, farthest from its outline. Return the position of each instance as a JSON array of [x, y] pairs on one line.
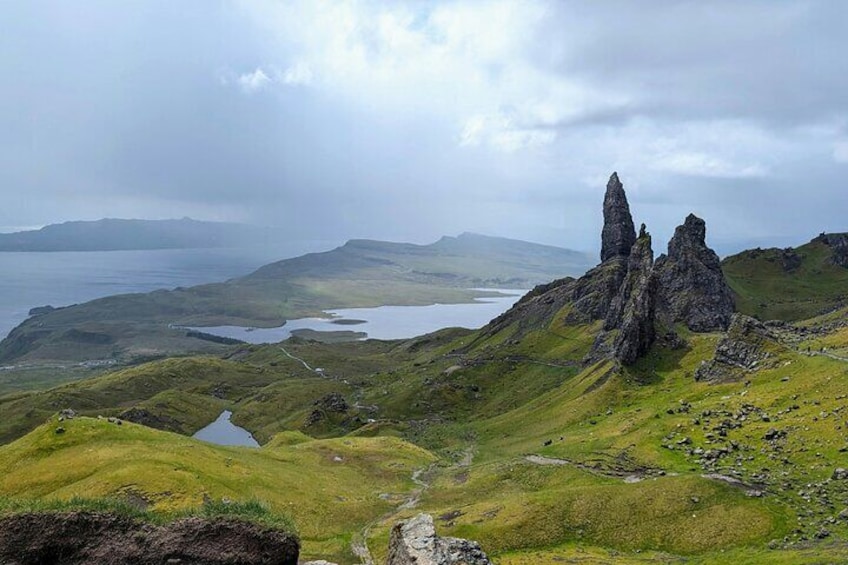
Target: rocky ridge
[[838, 243], [631, 293]]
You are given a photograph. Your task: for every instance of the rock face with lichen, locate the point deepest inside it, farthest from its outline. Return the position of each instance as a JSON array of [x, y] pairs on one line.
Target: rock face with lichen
[[414, 542], [691, 287], [619, 233], [744, 349], [630, 292], [635, 306]]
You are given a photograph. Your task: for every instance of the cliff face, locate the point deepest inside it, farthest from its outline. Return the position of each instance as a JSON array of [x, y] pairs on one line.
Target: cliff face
[[637, 297], [629, 291], [692, 289]]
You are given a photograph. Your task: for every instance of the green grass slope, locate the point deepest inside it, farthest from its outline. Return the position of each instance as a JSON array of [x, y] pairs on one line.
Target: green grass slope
[[786, 284], [539, 457], [330, 488]]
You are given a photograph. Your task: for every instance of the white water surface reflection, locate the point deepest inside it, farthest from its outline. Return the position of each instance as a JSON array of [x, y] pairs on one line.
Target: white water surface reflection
[[224, 432], [384, 322]]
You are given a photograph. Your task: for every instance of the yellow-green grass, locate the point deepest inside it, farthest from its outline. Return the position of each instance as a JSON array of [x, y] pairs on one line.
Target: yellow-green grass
[[507, 400], [821, 554], [611, 425], [331, 488], [181, 389]]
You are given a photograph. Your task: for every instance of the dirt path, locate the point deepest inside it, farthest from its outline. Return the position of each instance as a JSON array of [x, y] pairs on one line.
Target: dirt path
[[422, 478], [359, 543], [302, 362], [628, 475]]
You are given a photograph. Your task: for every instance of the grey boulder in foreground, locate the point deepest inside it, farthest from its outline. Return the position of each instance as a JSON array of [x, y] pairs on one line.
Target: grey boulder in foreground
[[414, 542]]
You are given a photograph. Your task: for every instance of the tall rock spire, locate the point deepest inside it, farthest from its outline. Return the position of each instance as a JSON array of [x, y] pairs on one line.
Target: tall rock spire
[[619, 233]]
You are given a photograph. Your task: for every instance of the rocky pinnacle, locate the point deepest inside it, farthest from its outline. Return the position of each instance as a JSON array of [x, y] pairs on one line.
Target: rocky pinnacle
[[637, 297], [692, 287], [619, 233]]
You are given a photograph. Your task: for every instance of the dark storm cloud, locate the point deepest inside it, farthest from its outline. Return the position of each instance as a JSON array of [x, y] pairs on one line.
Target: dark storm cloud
[[408, 121]]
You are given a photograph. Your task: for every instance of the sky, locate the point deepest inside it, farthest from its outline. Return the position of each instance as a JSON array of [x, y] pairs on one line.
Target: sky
[[408, 121]]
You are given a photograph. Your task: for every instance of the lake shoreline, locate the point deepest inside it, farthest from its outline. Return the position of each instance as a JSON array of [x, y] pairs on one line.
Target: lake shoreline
[[382, 322]]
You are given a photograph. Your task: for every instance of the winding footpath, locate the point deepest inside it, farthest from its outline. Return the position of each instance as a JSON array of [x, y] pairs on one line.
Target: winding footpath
[[301, 361]]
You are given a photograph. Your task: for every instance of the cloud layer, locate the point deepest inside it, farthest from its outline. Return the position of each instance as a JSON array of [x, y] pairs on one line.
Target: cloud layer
[[410, 120]]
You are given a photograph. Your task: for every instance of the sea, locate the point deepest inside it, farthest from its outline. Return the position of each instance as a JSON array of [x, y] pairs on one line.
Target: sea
[[28, 280], [56, 279]]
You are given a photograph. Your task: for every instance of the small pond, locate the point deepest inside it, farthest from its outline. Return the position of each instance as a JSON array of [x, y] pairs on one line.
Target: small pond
[[224, 432]]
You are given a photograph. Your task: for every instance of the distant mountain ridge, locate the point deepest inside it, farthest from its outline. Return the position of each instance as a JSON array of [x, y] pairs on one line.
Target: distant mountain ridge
[[360, 273], [111, 234]]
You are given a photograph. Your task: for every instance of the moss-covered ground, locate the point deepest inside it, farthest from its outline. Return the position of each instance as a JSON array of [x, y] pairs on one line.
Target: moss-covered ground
[[515, 442]]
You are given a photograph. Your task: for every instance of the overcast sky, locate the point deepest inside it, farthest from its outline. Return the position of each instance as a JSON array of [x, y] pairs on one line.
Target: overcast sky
[[409, 121]]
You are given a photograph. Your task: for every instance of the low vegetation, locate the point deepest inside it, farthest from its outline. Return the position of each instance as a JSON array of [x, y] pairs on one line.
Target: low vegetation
[[505, 436]]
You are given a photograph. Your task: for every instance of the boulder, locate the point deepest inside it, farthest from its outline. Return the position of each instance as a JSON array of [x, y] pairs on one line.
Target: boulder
[[414, 542], [691, 288], [743, 349]]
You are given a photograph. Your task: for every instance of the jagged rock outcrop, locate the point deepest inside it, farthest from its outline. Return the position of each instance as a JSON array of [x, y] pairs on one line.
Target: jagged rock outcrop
[[691, 288], [637, 297], [629, 291], [414, 542], [619, 233], [331, 403], [745, 348], [838, 243], [629, 330], [147, 418], [790, 260], [96, 537]]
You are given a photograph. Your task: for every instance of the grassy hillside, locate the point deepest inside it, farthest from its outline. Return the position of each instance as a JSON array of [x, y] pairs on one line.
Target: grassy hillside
[[505, 435], [787, 284], [328, 487], [539, 458], [128, 328]]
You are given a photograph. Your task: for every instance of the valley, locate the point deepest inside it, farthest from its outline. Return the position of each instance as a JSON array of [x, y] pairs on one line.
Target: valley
[[632, 415], [130, 328]]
